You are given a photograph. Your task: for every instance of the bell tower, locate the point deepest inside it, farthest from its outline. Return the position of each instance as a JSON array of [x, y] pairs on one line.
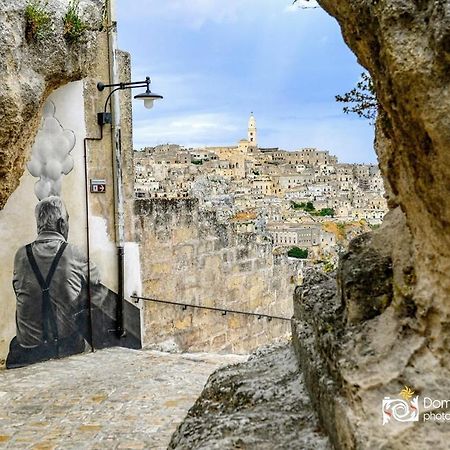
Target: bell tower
[[252, 136]]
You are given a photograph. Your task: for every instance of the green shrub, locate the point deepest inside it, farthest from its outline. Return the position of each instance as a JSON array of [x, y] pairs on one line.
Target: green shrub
[[37, 20], [296, 252], [74, 27], [326, 212], [308, 207]]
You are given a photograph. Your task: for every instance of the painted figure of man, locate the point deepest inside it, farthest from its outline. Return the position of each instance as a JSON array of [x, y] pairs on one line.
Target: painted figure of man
[[50, 282]]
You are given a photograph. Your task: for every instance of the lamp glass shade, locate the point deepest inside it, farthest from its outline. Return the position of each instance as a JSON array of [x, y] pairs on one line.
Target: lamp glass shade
[[148, 103], [148, 97]]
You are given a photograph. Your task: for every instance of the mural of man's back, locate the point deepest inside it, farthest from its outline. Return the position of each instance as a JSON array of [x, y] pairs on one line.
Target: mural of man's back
[[50, 282]]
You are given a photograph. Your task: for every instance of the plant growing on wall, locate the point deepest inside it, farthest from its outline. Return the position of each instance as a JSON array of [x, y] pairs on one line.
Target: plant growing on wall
[[37, 20], [74, 27], [361, 100]]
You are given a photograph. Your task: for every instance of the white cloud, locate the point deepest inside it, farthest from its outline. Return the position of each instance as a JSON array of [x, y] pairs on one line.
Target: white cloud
[[178, 89], [195, 13], [191, 130]]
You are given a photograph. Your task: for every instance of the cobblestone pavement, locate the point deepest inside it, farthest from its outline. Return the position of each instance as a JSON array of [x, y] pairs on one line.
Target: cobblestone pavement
[[111, 399]]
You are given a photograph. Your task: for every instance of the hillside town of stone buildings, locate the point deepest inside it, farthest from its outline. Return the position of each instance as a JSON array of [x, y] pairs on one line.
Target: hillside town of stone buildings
[[301, 198]]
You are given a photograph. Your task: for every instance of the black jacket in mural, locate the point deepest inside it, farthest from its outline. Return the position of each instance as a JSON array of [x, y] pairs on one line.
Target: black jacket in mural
[[67, 288]]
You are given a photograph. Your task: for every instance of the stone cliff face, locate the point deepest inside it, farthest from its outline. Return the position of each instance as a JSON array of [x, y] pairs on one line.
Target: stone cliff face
[[30, 71], [353, 353], [405, 45]]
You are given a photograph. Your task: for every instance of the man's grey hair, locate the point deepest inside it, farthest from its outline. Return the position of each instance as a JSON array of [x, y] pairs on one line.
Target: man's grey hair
[[48, 212]]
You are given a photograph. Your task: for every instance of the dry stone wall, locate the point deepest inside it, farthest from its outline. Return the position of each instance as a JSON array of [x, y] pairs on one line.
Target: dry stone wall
[[188, 256]]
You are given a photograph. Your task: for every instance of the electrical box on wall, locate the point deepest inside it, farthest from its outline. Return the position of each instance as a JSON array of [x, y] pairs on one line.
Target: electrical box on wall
[[98, 186]]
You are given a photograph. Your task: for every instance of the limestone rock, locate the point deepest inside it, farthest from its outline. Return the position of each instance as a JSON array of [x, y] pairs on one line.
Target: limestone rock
[[405, 46], [29, 71], [366, 279], [260, 404], [350, 368]]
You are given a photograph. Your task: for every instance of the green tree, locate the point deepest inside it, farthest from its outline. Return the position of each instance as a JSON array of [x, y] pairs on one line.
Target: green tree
[[326, 212], [296, 252], [309, 207]]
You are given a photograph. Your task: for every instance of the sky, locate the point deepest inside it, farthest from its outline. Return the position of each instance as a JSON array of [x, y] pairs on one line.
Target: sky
[[216, 61]]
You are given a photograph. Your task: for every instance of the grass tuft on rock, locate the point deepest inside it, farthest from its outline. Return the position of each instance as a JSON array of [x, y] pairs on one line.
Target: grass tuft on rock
[[74, 26], [37, 21]]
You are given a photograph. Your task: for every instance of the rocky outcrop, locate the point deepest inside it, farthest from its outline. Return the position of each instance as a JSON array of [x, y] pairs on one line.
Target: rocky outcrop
[[377, 270], [355, 349], [405, 45], [260, 404], [30, 70]]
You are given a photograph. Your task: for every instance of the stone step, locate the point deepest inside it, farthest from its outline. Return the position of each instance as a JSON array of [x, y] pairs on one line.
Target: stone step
[[260, 404]]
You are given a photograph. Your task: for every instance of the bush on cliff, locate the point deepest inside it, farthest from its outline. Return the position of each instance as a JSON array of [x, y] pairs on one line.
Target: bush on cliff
[[296, 252]]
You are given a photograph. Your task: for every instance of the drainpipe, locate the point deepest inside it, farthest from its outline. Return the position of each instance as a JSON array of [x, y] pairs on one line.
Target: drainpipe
[[117, 165]]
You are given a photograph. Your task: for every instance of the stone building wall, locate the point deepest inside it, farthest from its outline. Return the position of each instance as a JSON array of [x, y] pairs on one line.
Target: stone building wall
[[170, 327], [188, 256]]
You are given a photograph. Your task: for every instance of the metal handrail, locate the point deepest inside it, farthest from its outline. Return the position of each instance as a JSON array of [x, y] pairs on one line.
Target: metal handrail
[[211, 308]]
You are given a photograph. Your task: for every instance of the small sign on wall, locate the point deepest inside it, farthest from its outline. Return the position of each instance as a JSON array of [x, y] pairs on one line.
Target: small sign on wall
[[98, 186]]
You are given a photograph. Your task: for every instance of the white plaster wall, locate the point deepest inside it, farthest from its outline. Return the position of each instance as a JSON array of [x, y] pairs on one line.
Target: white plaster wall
[[69, 103], [103, 251], [104, 255], [133, 279], [17, 227]]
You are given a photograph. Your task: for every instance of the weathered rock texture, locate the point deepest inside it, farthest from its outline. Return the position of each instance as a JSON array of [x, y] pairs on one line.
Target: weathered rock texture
[[355, 345], [405, 45], [189, 256], [260, 404], [30, 71]]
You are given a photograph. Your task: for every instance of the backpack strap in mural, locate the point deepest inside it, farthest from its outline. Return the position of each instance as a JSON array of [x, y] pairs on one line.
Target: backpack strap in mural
[[48, 312]]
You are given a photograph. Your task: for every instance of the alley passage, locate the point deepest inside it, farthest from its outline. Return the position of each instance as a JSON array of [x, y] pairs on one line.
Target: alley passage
[[111, 399]]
